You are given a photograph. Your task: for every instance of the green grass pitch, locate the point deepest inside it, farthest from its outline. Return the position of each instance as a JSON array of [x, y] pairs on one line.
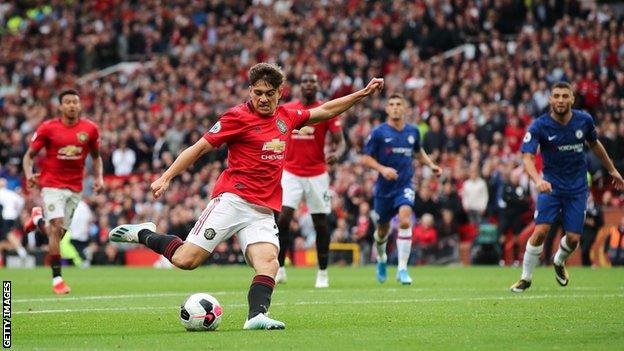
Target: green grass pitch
[[447, 308]]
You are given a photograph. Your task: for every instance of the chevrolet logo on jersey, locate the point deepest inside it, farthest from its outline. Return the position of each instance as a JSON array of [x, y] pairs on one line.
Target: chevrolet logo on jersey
[[274, 145], [70, 152]]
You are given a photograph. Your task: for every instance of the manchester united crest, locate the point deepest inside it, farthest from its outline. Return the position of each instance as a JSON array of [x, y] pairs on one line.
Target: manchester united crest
[[209, 234], [82, 137], [281, 125]]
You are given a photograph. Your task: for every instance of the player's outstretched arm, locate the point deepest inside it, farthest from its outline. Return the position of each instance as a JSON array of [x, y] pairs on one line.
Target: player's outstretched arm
[[423, 158], [337, 106], [27, 164], [529, 166], [182, 162], [600, 152]]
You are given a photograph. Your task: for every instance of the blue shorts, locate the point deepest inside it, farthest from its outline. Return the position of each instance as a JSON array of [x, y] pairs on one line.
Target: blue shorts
[[386, 207], [570, 207]]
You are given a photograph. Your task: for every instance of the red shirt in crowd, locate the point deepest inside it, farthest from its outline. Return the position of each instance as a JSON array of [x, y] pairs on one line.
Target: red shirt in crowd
[[590, 90], [66, 148], [256, 149], [305, 155], [424, 236]]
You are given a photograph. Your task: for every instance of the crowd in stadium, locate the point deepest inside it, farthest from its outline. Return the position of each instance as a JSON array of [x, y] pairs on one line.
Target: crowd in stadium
[[472, 106]]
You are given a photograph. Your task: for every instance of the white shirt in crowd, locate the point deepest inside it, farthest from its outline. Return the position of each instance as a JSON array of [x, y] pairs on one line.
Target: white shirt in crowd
[[475, 195], [123, 161], [12, 204]]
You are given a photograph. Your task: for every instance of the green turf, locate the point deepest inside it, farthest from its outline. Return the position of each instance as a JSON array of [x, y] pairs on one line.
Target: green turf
[[445, 308]]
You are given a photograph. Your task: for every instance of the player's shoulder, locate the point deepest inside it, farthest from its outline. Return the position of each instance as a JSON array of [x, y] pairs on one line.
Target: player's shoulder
[[540, 120], [89, 123], [238, 114], [582, 114], [410, 128], [289, 112]]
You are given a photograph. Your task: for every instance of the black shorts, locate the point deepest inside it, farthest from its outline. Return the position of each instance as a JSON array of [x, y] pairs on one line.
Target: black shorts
[[7, 226]]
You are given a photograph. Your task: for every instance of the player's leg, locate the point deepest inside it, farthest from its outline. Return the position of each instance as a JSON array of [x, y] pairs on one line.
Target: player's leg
[[381, 242], [55, 201], [283, 224], [260, 245], [292, 193], [217, 223], [322, 249], [318, 199], [573, 216], [548, 207], [404, 243]]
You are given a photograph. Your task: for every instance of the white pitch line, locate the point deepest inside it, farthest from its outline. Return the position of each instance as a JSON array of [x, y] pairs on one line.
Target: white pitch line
[[362, 302], [311, 291]]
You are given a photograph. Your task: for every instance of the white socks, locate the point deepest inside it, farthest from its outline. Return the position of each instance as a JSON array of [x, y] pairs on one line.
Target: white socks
[[404, 247], [381, 244], [531, 260], [57, 280], [563, 252]]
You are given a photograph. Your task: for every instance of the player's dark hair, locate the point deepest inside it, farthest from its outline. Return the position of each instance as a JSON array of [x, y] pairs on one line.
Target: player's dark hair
[[396, 96], [68, 92], [309, 74], [268, 72], [562, 85]]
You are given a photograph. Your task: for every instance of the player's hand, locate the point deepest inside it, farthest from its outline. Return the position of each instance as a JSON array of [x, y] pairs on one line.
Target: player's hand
[[376, 84], [544, 186], [617, 180], [159, 186], [305, 130], [389, 173], [98, 185], [33, 181], [331, 158], [436, 170]]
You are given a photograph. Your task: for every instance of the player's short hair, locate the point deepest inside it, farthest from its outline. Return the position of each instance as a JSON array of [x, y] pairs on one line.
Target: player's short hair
[[396, 96], [268, 72], [562, 85], [67, 92]]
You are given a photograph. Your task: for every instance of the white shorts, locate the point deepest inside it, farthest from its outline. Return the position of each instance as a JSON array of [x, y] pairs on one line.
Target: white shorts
[[59, 203], [314, 190], [229, 214]]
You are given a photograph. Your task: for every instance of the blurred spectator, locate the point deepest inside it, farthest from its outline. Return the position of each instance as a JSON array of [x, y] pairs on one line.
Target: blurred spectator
[[448, 239], [425, 239], [615, 247], [362, 232], [514, 204], [123, 159], [475, 196], [594, 220]]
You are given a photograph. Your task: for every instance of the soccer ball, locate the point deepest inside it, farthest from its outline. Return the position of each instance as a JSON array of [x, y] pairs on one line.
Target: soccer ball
[[200, 312]]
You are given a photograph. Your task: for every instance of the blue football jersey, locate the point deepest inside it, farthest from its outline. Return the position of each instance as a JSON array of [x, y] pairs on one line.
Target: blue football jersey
[[393, 148], [562, 148]]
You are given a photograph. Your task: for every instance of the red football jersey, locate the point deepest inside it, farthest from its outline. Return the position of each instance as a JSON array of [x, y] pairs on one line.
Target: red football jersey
[[66, 148], [256, 149], [305, 155]]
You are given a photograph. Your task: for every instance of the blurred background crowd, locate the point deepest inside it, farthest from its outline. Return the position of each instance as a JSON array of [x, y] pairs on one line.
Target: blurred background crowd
[[475, 72]]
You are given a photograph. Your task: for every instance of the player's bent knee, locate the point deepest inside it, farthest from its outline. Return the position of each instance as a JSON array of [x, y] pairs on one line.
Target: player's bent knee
[[185, 262]]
